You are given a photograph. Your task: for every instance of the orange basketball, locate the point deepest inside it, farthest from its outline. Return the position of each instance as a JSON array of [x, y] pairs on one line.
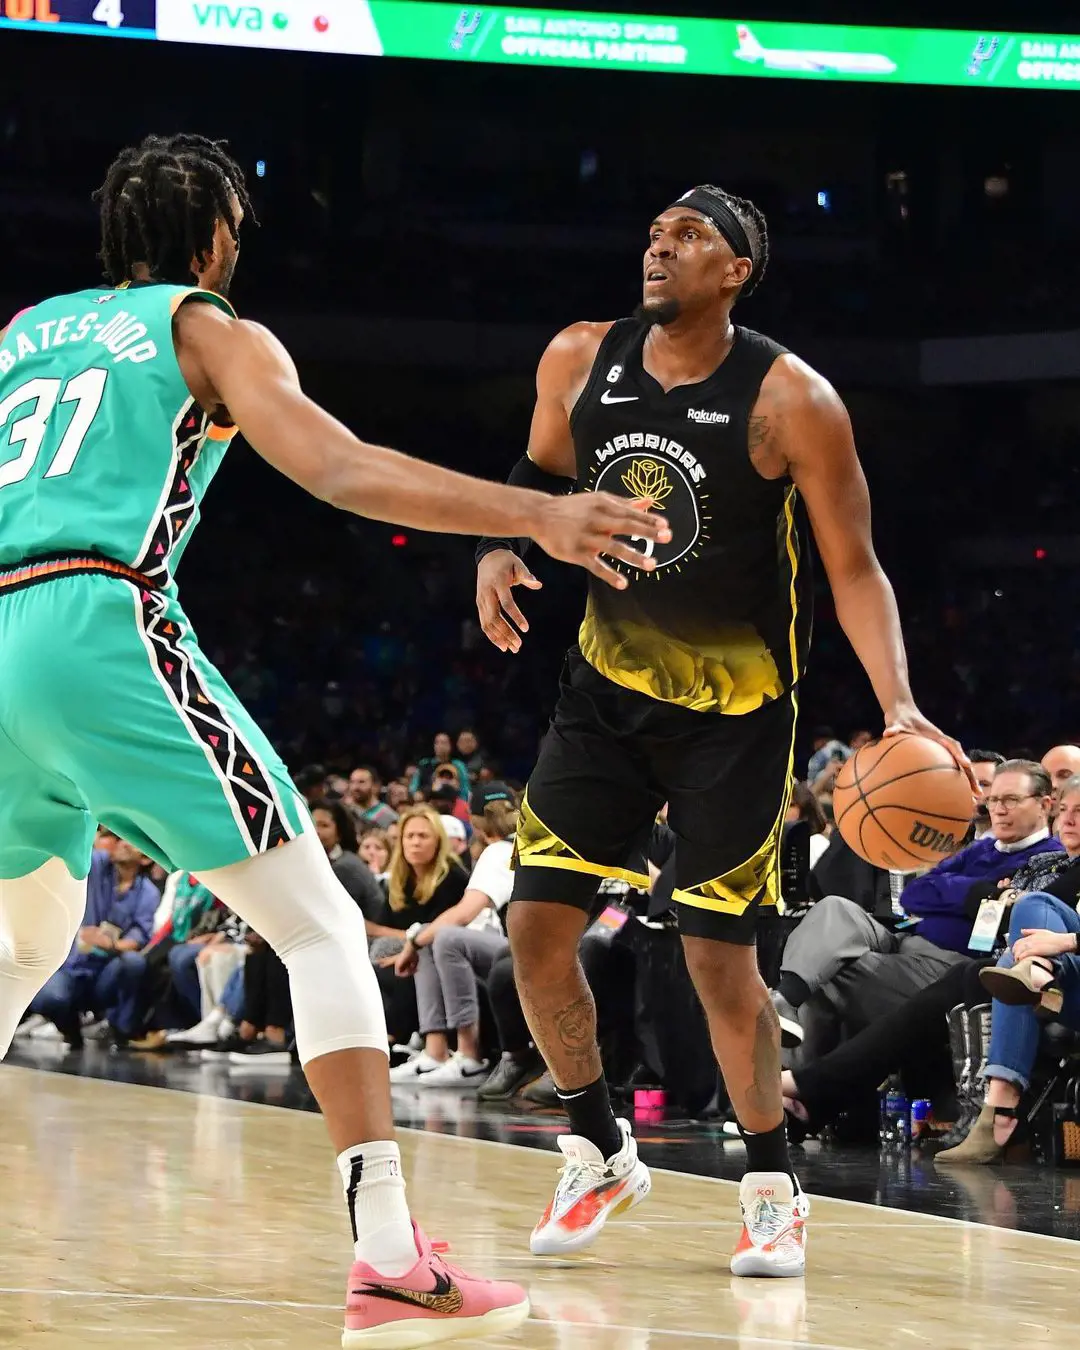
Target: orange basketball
[[902, 803]]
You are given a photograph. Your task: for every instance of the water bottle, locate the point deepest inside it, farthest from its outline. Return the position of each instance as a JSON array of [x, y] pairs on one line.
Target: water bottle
[[920, 1119], [895, 1114], [897, 882]]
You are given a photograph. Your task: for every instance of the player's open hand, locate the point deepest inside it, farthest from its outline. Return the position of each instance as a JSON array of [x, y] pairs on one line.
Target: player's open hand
[[910, 719], [500, 616], [580, 528]]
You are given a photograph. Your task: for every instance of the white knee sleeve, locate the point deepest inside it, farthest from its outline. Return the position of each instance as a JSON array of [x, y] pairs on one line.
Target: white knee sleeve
[[291, 897], [40, 915]]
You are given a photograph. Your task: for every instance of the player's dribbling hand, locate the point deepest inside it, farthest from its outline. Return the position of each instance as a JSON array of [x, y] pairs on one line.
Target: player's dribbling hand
[[580, 528], [498, 573], [911, 720]]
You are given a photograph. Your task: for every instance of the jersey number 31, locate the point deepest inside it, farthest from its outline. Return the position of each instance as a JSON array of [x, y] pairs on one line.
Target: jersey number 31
[[85, 391]]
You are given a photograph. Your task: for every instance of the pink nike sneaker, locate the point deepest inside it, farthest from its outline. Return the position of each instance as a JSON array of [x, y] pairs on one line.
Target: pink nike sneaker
[[433, 1302]]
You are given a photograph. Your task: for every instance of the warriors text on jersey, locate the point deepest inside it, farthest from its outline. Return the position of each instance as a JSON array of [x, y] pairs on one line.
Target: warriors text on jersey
[[103, 450], [723, 623]]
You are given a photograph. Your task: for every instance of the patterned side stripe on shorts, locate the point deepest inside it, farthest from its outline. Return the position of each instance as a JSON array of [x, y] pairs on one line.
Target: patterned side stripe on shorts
[[261, 819]]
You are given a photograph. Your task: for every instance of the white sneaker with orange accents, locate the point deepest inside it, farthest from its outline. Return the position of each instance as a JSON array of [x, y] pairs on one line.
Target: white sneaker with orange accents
[[773, 1240], [590, 1191]]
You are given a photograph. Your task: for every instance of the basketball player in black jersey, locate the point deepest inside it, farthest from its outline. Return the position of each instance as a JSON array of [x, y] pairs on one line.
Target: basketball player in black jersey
[[684, 685]]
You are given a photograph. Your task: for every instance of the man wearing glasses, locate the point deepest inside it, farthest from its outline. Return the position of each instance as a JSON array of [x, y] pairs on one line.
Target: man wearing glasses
[[863, 969]]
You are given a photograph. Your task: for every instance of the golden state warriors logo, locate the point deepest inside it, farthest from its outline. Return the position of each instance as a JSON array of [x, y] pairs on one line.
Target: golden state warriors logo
[[673, 487], [646, 480]]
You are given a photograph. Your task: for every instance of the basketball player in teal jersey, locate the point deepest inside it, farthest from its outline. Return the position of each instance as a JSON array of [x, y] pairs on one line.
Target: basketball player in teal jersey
[[116, 407]]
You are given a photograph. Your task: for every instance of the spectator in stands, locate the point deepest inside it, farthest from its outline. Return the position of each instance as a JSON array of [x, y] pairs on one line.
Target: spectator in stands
[[425, 770], [521, 1062], [194, 927], [458, 834], [1061, 763], [364, 795], [398, 796], [311, 783], [860, 738], [469, 753], [445, 795], [450, 956], [216, 965], [266, 1016], [375, 850], [425, 880], [829, 756], [1043, 925], [103, 971], [984, 764], [805, 806], [105, 839], [912, 1039], [170, 991], [337, 834], [483, 794], [866, 970]]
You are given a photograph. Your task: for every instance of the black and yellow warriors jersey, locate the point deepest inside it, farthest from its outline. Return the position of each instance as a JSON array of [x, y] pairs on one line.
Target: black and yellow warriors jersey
[[723, 623]]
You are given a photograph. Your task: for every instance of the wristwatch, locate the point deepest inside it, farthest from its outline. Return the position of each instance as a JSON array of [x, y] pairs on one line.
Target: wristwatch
[[411, 932]]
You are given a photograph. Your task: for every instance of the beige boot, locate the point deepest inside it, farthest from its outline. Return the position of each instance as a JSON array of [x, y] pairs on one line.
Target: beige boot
[[979, 1146]]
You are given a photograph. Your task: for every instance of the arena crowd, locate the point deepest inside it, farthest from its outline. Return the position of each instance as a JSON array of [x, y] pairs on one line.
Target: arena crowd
[[946, 979]]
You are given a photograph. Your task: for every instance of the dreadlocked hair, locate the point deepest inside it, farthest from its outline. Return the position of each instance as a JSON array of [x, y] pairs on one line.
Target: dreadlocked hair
[[160, 202], [757, 232]]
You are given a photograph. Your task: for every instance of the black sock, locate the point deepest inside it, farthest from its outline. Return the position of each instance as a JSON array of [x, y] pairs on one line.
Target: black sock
[[591, 1116], [767, 1152], [793, 988]]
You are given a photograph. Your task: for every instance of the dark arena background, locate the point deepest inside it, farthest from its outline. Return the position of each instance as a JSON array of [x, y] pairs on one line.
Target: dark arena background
[[440, 188]]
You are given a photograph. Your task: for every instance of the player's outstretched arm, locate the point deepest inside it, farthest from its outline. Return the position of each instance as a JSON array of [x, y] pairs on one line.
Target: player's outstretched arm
[[800, 419], [242, 370]]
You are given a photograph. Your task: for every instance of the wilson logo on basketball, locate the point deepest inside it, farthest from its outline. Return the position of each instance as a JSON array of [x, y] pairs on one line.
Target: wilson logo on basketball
[[925, 836]]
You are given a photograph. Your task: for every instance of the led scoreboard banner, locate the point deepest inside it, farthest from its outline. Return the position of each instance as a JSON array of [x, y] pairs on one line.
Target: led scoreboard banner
[[582, 39], [116, 18]]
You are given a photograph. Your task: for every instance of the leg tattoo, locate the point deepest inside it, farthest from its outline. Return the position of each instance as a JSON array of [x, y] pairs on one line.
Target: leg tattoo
[[764, 1092], [565, 1032]]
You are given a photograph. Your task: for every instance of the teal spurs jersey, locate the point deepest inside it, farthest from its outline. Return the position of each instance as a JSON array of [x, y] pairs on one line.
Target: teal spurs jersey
[[103, 450]]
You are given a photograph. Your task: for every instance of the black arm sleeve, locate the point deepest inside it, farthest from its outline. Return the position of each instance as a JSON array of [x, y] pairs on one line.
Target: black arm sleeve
[[526, 474]]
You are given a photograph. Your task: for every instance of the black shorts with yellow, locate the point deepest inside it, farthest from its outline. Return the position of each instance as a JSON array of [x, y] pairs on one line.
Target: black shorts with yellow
[[611, 759]]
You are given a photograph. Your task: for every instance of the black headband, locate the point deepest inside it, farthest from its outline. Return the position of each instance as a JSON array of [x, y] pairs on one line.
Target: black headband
[[725, 220]]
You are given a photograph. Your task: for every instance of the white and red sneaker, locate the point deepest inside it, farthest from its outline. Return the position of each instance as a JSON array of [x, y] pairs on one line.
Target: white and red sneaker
[[590, 1191], [773, 1240], [431, 1303]]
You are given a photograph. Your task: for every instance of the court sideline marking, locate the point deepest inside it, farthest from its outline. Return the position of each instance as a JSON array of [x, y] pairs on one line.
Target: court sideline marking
[[1072, 1243]]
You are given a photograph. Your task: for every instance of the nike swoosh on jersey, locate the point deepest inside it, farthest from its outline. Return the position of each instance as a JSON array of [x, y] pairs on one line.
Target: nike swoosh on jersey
[[607, 397], [445, 1298]]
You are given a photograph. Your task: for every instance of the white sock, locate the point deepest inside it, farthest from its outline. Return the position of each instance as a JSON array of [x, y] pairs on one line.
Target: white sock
[[375, 1195]]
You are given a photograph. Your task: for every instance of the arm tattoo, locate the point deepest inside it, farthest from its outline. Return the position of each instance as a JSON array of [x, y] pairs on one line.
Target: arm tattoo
[[760, 429], [764, 1093]]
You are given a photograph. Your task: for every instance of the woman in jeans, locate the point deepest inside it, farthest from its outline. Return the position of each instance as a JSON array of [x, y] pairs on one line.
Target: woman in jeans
[[448, 958], [1043, 924], [425, 880]]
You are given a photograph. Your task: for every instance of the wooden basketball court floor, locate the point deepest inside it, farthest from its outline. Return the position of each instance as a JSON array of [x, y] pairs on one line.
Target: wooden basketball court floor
[[136, 1217]]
